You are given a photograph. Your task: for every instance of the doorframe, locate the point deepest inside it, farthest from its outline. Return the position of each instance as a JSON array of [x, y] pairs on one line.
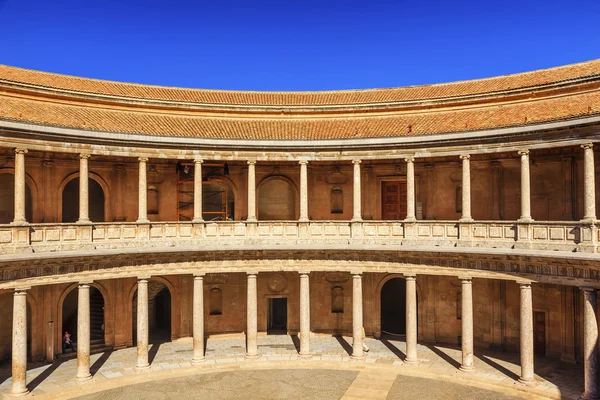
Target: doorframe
[[394, 178], [287, 310], [547, 336]]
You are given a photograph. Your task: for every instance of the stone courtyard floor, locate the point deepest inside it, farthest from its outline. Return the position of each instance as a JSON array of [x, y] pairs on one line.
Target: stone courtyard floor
[[280, 374]]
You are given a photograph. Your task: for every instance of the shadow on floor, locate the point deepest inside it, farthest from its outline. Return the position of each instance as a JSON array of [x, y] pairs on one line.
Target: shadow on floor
[[296, 341], [344, 344], [44, 375], [397, 352], [100, 362], [152, 352], [497, 366], [444, 356]]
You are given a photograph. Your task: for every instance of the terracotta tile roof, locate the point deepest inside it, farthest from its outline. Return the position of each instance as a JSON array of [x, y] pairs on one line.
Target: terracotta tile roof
[[359, 125], [346, 97]]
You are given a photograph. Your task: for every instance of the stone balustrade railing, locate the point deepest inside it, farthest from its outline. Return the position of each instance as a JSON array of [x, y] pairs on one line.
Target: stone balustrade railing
[[557, 236]]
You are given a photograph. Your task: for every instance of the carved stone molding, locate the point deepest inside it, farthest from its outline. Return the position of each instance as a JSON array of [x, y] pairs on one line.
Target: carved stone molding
[[277, 283]]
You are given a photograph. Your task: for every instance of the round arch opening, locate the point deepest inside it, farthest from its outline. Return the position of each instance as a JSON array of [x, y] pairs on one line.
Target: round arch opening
[[159, 313], [393, 307], [70, 201], [7, 199], [69, 318]]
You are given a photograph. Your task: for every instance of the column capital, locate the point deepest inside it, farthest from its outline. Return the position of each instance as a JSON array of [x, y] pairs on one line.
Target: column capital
[[409, 159], [198, 161], [587, 146], [251, 162], [304, 273], [199, 276], [85, 283], [524, 152], [356, 161], [465, 279], [303, 162], [21, 291], [524, 284], [410, 277], [143, 159], [357, 275], [84, 156], [251, 274], [143, 278], [20, 150], [465, 156]]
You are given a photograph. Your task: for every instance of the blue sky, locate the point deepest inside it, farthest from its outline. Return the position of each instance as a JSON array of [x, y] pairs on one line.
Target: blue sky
[[296, 45]]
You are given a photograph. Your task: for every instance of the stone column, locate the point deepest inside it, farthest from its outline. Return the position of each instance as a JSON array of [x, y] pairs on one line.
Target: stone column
[[304, 316], [84, 193], [356, 196], [251, 318], [590, 344], [142, 192], [466, 188], [589, 187], [357, 317], [142, 325], [198, 191], [527, 358], [525, 187], [303, 191], [20, 187], [410, 189], [411, 319], [198, 322], [83, 333], [467, 324], [19, 344], [251, 192]]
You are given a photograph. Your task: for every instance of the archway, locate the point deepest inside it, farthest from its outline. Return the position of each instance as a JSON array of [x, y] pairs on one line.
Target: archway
[[69, 316], [70, 201], [277, 199], [7, 199], [393, 307], [159, 313]]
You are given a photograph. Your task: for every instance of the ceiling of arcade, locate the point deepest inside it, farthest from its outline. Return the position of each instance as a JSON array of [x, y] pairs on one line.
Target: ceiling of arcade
[[34, 270]]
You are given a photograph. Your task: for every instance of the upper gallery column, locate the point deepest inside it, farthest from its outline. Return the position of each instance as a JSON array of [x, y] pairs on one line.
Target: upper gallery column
[[589, 187], [142, 192], [467, 324], [251, 318], [357, 317], [198, 191], [356, 200], [142, 325], [411, 319], [525, 187], [251, 191], [526, 334], [198, 322], [20, 187], [83, 333], [303, 191], [410, 189], [19, 344], [590, 343], [466, 188], [304, 315], [84, 192]]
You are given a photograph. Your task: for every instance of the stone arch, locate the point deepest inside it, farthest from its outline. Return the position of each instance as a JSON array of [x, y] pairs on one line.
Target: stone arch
[[93, 176], [31, 198], [173, 308], [277, 199], [61, 300], [420, 304]]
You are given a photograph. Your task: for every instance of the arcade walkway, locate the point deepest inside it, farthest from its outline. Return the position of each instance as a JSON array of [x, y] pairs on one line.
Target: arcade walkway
[[494, 371]]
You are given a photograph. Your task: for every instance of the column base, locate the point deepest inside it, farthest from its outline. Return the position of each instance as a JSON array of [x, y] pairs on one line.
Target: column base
[[411, 362], [356, 220], [83, 379], [528, 381], [466, 369], [358, 358], [305, 355], [525, 220], [84, 222], [19, 394], [589, 396], [142, 368], [251, 356], [19, 222], [197, 361], [467, 219], [411, 219], [143, 221], [197, 221]]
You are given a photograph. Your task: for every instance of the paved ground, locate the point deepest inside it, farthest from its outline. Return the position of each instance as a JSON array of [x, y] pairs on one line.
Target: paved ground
[[377, 373]]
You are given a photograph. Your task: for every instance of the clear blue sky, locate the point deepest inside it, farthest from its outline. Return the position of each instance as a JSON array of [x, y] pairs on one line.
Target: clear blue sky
[[296, 45]]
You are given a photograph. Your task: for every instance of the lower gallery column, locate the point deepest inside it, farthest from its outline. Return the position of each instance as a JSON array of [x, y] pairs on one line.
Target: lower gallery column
[[304, 316], [590, 344], [357, 317], [142, 325], [251, 323], [83, 333], [198, 319], [19, 344], [467, 324], [411, 319], [527, 376]]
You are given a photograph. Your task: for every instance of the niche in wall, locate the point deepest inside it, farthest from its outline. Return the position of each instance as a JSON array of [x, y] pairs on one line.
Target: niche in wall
[[337, 200], [337, 299], [153, 199]]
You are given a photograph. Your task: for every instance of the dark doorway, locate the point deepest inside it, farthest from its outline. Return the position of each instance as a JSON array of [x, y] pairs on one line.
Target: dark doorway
[[69, 317], [393, 307], [70, 201], [540, 333], [393, 200], [277, 320]]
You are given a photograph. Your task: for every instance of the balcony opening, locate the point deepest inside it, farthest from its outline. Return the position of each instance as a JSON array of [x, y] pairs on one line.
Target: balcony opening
[[70, 201], [7, 199]]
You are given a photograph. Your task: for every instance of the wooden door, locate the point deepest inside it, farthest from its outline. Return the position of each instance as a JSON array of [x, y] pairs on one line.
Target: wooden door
[[539, 327], [393, 200]]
